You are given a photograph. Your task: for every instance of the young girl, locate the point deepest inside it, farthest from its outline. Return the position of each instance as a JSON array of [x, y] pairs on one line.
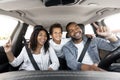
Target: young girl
[[43, 54], [57, 42]]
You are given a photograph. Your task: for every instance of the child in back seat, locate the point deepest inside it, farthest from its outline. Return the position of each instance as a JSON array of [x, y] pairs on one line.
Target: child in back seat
[[57, 42]]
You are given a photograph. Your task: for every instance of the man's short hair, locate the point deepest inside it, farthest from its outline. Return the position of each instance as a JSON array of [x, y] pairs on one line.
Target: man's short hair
[[80, 25]]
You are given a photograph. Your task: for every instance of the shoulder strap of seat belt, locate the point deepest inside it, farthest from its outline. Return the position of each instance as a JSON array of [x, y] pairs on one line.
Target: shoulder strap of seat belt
[[31, 56], [84, 50]]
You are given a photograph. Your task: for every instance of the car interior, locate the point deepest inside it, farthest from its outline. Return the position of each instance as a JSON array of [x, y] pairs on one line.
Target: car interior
[[29, 13]]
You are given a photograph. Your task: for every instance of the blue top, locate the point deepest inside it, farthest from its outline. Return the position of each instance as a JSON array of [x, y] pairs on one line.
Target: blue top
[[70, 51]]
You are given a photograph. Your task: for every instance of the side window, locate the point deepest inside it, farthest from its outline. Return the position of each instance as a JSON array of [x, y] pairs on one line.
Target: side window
[[7, 25], [113, 22], [64, 34], [88, 29], [28, 32]]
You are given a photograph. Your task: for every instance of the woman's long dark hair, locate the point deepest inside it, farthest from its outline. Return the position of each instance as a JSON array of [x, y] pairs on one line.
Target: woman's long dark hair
[[33, 38]]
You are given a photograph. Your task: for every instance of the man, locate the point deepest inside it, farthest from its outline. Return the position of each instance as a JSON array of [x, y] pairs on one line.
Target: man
[[74, 47]]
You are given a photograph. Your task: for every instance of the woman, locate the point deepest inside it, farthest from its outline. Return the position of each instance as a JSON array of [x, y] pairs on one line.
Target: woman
[[43, 54]]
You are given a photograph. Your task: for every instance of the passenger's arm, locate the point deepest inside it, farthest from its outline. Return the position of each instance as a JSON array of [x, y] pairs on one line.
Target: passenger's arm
[[12, 59], [54, 59], [8, 48]]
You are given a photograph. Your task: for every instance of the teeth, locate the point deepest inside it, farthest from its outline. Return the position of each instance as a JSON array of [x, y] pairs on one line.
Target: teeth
[[58, 38], [77, 34], [42, 40]]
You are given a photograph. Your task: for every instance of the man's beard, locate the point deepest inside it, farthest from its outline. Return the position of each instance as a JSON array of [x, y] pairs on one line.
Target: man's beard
[[77, 39]]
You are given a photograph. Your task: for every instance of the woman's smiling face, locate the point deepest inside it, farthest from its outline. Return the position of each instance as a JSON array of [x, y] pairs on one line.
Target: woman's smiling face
[[42, 37]]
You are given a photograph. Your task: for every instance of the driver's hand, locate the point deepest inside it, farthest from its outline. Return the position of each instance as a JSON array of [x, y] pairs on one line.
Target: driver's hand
[[85, 67]]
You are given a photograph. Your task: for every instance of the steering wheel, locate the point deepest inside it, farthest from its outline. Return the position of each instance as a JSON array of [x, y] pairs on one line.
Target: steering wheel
[[109, 59]]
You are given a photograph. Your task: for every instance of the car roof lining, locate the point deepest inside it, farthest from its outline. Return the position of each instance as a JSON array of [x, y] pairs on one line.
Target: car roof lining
[[35, 12]]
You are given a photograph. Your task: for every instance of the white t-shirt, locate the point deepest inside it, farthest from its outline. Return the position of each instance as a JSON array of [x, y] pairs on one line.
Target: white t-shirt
[[42, 59], [86, 59], [58, 47]]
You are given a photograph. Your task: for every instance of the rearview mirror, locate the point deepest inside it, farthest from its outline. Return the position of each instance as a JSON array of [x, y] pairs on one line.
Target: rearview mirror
[[56, 2]]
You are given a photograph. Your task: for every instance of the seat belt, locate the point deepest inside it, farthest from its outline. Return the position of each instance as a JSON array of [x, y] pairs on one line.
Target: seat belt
[[31, 56], [84, 50]]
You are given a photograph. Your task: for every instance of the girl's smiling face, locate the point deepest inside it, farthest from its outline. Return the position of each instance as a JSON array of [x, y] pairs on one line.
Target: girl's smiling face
[[56, 34]]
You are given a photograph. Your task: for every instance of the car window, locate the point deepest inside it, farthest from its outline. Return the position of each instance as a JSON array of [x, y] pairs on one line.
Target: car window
[[88, 29], [28, 32], [7, 25], [113, 22]]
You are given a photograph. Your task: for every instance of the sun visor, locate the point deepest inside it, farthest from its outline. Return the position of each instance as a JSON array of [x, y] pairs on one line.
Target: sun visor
[[48, 3]]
